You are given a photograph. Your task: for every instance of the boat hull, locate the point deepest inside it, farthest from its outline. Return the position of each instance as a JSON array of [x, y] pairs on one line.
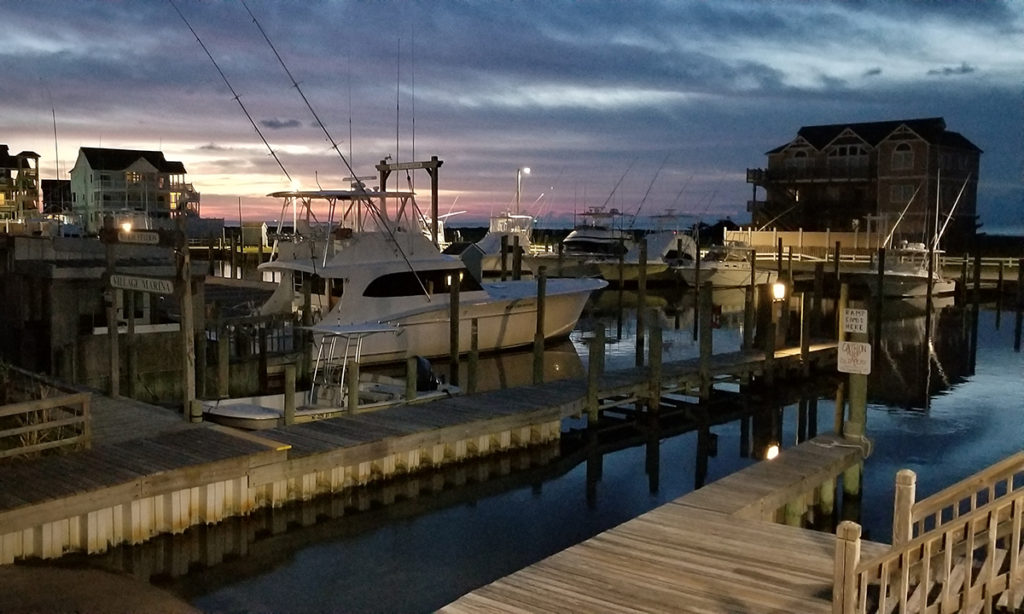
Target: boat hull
[[725, 275], [505, 319]]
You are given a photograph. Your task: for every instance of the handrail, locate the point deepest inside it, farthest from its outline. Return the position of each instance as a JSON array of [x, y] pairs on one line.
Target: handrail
[[949, 550], [46, 423]]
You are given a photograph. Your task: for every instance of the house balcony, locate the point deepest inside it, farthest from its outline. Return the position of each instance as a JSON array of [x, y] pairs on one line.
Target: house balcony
[[813, 173]]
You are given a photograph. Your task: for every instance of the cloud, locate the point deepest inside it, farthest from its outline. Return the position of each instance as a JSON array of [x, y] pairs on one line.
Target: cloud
[[963, 69], [277, 124]]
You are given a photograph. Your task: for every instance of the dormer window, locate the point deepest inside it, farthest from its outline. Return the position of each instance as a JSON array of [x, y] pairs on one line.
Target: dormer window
[[902, 157]]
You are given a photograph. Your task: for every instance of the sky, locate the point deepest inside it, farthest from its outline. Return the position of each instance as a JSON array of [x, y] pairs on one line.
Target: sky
[[645, 106]]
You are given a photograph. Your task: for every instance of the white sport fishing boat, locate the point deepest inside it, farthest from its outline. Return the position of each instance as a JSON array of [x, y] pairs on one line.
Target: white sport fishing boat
[[726, 266], [597, 236], [369, 262], [905, 274], [510, 226], [665, 250]]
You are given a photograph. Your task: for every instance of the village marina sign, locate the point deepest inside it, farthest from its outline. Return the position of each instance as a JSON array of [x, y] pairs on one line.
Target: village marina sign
[[142, 284]]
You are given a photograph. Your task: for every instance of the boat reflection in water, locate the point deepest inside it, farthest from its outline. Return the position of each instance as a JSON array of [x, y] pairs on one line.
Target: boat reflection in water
[[917, 356]]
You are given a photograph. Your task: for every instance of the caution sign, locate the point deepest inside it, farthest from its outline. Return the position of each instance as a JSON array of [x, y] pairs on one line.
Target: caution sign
[[855, 357]]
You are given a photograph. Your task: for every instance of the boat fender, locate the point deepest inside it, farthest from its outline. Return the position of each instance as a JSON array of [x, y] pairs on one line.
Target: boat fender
[[425, 378]]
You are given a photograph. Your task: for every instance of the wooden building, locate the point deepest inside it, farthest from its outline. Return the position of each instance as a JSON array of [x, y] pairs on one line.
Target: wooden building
[[131, 185], [862, 176], [19, 184]]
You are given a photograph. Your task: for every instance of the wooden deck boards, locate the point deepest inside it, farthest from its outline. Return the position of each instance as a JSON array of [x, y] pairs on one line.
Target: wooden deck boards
[[688, 556]]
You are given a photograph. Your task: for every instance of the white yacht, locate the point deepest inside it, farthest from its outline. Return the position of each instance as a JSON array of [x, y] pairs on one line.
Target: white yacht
[[906, 273], [666, 250], [726, 266], [597, 236], [370, 262], [506, 224]]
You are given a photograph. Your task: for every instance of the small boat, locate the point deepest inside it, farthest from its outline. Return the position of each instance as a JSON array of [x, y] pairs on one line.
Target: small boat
[[726, 266], [328, 396], [370, 262]]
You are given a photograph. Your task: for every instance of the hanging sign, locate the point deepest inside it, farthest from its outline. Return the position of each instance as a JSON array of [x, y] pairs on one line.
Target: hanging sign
[[142, 284], [855, 357]]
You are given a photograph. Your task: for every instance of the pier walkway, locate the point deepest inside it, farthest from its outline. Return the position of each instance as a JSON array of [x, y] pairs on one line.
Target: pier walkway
[[713, 550], [148, 472]]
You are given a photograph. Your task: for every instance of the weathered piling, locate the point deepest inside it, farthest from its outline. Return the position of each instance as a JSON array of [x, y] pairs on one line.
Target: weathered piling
[[654, 364], [453, 330], [289, 394], [538, 336], [641, 302], [595, 368], [706, 350], [473, 364]]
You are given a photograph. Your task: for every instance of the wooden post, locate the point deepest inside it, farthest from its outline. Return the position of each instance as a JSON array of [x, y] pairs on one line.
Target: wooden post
[[844, 579], [110, 297], [234, 266], [819, 295], [769, 354], [132, 342], [223, 360], [704, 315], [261, 337], [654, 362], [836, 262], [411, 377], [795, 511], [749, 306], [352, 387], [209, 257], [827, 497], [903, 505], [696, 290], [805, 334], [778, 260], [474, 356], [289, 394], [307, 321], [856, 422], [517, 259], [963, 280], [595, 369], [504, 257], [453, 329], [538, 336], [188, 350], [976, 298], [641, 303]]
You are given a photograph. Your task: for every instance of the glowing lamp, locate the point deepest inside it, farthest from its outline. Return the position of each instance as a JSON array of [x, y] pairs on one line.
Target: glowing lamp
[[778, 291], [126, 226], [771, 452]]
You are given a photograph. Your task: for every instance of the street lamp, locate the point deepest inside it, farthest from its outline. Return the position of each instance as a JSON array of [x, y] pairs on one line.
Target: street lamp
[[519, 183]]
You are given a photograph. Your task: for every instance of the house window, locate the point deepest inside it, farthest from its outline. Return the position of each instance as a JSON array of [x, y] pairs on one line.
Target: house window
[[132, 177], [902, 157], [848, 156], [901, 193]]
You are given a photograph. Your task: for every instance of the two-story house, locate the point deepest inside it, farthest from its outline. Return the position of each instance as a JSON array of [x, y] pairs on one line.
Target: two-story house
[[129, 185], [19, 184], [866, 175]]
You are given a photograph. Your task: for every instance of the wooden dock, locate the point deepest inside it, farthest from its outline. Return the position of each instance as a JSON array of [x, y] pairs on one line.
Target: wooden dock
[[714, 550], [148, 472]]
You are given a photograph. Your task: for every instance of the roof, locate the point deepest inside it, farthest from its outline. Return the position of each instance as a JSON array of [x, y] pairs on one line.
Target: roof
[[120, 159], [931, 129]]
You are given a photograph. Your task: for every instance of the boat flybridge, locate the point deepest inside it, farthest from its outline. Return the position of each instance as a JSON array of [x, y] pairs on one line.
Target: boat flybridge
[[365, 260]]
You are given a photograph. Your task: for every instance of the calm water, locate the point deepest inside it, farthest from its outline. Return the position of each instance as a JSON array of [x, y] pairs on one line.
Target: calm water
[[424, 551]]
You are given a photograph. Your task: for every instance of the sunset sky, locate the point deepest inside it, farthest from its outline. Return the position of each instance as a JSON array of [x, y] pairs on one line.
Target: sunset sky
[[686, 95]]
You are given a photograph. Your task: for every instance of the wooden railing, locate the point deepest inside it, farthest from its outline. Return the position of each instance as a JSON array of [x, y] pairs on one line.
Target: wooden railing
[[957, 551], [31, 427]]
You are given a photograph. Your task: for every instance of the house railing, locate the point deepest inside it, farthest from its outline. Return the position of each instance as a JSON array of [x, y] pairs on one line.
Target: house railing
[[957, 551], [30, 427]]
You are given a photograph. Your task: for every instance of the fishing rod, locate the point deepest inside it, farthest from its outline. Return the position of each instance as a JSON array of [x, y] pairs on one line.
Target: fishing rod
[[949, 216], [360, 189], [617, 183], [238, 98], [891, 232], [649, 186]]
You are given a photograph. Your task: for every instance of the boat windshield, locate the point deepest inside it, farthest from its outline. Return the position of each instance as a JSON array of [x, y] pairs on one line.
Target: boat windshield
[[405, 283]]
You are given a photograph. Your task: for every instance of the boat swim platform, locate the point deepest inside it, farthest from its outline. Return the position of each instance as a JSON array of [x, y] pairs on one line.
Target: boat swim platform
[[716, 549], [148, 472]]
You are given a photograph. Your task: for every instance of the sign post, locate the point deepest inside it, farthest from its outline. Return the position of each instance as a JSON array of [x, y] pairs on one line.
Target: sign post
[[855, 359]]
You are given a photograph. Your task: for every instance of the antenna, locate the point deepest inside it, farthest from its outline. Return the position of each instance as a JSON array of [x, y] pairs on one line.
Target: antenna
[[398, 90]]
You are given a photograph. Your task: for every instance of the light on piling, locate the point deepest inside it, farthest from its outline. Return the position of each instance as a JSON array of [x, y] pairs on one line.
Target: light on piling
[[778, 291], [771, 452]]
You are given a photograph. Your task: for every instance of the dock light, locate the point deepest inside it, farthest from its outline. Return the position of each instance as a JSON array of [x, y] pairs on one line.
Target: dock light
[[778, 291], [126, 226], [771, 451]]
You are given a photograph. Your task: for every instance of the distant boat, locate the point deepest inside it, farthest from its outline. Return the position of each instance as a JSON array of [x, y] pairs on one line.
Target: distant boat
[[726, 266], [373, 264], [666, 250], [597, 236], [510, 226], [906, 273]]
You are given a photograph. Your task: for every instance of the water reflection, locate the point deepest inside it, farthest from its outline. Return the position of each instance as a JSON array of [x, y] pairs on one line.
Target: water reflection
[[417, 544]]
